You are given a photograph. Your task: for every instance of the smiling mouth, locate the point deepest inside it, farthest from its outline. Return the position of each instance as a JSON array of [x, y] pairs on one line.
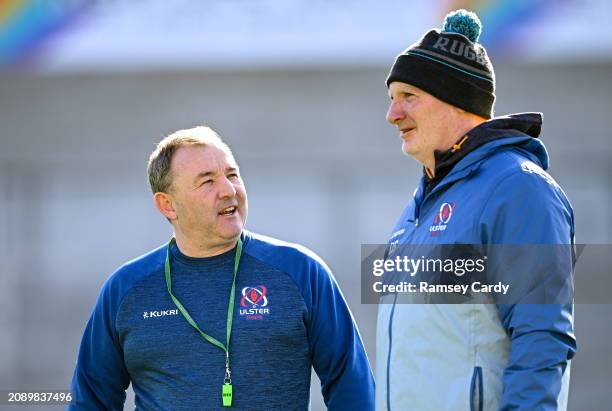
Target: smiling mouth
[[231, 210], [405, 131]]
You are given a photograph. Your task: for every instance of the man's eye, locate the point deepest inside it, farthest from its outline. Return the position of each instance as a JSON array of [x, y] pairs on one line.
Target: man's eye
[[233, 175], [206, 182]]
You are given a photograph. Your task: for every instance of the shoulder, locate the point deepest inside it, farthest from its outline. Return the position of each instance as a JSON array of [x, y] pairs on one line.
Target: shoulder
[[306, 269], [522, 202], [513, 171], [514, 175], [123, 279], [282, 255]]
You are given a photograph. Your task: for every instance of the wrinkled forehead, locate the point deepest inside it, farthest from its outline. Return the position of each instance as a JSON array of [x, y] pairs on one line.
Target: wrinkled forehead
[[398, 86], [193, 159], [224, 151]]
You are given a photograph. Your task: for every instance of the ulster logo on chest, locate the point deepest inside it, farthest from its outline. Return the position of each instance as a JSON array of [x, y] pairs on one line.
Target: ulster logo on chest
[[442, 218], [255, 302]]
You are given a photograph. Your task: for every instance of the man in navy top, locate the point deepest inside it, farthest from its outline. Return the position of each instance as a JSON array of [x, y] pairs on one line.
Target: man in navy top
[[218, 317]]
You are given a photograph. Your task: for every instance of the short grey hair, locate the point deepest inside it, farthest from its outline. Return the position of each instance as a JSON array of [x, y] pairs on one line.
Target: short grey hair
[[160, 159]]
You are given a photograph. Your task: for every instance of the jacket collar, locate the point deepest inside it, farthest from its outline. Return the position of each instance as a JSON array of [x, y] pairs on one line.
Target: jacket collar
[[512, 129]]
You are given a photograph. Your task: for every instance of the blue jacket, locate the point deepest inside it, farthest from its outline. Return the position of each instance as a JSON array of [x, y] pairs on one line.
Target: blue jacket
[[290, 316], [507, 356]]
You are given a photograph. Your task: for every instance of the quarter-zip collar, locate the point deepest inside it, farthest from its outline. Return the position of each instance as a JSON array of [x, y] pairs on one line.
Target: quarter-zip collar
[[522, 124]]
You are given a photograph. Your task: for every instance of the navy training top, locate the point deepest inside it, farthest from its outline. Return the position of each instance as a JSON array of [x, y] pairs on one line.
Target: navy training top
[[289, 315]]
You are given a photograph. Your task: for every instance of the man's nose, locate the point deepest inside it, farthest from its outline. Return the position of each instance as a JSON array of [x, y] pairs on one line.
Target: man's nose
[[226, 188], [395, 113]]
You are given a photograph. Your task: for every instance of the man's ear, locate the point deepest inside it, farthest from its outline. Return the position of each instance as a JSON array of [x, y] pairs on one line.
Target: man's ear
[[165, 204]]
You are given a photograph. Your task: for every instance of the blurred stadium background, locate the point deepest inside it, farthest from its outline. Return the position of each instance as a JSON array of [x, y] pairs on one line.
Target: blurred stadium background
[[297, 89]]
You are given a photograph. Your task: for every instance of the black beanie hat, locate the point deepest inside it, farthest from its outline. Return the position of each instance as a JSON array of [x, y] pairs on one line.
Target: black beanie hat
[[450, 65]]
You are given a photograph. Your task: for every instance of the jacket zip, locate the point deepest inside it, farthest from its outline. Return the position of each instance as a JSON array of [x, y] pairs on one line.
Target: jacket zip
[[418, 208], [389, 354], [476, 394], [416, 225]]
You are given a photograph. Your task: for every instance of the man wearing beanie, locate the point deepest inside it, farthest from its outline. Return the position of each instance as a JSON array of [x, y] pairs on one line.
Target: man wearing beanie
[[484, 184]]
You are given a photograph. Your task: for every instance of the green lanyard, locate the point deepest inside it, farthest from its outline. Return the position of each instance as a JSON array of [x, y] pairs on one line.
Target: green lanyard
[[226, 388]]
